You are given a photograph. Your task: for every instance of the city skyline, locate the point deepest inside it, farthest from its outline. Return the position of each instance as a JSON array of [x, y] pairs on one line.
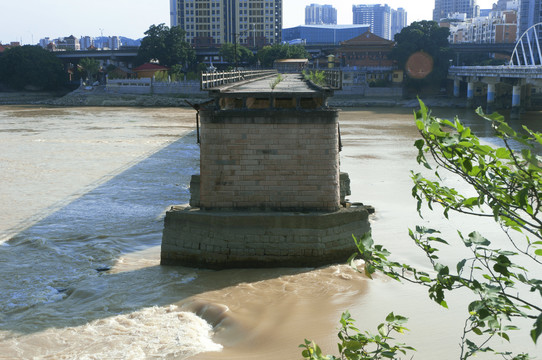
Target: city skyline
[[131, 18]]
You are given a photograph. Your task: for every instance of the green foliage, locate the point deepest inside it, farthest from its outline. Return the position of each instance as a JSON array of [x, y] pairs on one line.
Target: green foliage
[[508, 188], [268, 54], [275, 82], [356, 345], [176, 73], [316, 77], [31, 66], [167, 45], [161, 76], [244, 54], [430, 38], [90, 67]]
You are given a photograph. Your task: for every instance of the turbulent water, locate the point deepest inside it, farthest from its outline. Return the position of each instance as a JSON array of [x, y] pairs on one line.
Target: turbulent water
[[83, 192]]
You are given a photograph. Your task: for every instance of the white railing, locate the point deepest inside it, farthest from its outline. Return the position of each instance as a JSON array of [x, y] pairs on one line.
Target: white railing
[[521, 71], [214, 79]]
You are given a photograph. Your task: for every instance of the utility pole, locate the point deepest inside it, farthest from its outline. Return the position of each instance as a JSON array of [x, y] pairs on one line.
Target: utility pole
[[235, 49]]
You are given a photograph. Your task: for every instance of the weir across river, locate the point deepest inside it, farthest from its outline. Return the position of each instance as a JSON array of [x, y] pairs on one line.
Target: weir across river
[[270, 191]]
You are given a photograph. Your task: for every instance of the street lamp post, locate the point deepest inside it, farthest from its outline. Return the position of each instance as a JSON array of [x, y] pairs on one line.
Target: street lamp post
[[235, 35]]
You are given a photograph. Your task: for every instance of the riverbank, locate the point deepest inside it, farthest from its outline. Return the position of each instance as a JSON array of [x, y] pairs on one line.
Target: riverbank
[[99, 97]]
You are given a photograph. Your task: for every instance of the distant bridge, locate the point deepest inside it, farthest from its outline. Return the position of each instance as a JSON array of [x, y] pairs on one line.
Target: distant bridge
[[526, 72], [523, 75], [97, 54]]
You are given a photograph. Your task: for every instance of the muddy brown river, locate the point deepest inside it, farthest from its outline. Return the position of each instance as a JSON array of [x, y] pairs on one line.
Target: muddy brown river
[[83, 193]]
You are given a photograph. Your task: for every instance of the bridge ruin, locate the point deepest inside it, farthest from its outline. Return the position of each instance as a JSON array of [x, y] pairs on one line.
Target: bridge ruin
[[270, 192]]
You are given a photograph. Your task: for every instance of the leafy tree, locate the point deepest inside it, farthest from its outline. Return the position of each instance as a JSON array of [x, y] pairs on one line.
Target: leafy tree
[[268, 54], [507, 187], [429, 38], [166, 45], [244, 54], [31, 66], [363, 346], [90, 67]]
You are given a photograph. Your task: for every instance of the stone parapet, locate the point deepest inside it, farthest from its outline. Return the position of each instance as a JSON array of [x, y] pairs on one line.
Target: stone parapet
[[220, 239]]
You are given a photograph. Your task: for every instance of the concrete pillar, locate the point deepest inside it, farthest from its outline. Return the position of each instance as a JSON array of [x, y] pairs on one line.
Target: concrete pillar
[[470, 90], [516, 102], [490, 94], [490, 98], [516, 96], [457, 84]]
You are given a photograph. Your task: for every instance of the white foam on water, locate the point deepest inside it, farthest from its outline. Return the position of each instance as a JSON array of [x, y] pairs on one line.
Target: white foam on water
[[151, 333]]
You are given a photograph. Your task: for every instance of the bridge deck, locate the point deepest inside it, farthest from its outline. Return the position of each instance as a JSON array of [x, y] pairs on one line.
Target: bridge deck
[[292, 84]]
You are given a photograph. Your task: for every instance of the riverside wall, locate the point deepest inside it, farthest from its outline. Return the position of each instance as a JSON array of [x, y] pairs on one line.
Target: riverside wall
[[147, 86]]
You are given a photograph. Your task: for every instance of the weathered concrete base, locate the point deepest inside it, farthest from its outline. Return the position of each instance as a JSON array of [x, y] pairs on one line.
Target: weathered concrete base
[[218, 240]]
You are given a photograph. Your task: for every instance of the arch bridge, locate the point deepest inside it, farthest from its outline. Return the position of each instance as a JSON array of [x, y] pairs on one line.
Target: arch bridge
[[521, 78]]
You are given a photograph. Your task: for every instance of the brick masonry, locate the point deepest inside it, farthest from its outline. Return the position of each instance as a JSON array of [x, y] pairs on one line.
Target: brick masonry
[[270, 160]]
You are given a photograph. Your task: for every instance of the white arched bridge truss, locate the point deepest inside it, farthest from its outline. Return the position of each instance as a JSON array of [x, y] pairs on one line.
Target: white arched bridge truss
[[528, 50]]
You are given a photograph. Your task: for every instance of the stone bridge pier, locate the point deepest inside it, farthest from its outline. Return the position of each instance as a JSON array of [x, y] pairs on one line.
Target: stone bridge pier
[[270, 191]]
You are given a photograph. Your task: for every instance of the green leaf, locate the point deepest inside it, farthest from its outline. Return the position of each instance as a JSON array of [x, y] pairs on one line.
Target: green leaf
[[502, 153], [460, 265], [476, 238], [538, 252], [390, 317], [537, 328], [504, 336]]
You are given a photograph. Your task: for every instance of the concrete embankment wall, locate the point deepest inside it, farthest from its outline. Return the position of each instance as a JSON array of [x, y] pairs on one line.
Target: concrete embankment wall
[[216, 239], [363, 90], [149, 86]]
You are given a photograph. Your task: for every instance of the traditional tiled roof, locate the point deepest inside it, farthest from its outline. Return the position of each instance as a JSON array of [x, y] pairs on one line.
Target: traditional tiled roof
[[367, 38]]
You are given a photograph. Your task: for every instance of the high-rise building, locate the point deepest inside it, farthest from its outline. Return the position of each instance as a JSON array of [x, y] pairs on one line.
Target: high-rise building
[[530, 13], [445, 7], [86, 42], [209, 23], [398, 21], [316, 14], [377, 16], [114, 42]]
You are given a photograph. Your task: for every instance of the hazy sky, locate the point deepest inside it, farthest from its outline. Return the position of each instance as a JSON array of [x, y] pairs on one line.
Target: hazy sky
[[30, 20]]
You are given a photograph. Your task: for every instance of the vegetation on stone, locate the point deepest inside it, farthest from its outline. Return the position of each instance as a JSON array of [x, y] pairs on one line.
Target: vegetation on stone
[[316, 77]]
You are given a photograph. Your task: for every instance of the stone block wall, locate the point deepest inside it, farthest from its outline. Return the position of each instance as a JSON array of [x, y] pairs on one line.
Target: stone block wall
[[219, 239], [269, 160]]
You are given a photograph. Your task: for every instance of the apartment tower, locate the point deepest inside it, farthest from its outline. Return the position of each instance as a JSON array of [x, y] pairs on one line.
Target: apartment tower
[[445, 7], [377, 16], [320, 15], [210, 23], [398, 21]]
